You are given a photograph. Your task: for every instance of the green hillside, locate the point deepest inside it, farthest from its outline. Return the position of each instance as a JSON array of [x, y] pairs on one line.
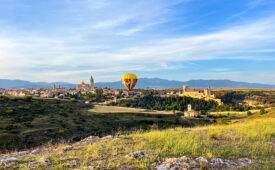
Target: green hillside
[[246, 144]]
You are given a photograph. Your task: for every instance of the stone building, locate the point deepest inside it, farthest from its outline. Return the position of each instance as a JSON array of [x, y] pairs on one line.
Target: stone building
[[190, 112], [92, 83], [83, 87], [206, 94]]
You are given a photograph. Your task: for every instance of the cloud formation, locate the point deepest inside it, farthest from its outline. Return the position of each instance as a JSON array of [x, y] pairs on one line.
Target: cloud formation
[[107, 37]]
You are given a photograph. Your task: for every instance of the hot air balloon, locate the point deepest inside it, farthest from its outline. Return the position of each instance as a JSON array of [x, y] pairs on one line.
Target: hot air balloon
[[129, 80]]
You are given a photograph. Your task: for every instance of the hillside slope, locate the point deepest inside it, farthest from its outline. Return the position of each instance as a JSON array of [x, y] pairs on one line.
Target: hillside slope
[[249, 144]]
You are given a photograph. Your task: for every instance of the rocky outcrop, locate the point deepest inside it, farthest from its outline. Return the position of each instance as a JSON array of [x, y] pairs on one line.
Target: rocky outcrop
[[137, 155], [186, 162]]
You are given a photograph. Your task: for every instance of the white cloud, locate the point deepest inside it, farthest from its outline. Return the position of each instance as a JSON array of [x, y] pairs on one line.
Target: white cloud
[[108, 42]]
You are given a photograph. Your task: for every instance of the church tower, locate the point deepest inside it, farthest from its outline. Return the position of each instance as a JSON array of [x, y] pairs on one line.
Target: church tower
[[53, 87], [92, 84]]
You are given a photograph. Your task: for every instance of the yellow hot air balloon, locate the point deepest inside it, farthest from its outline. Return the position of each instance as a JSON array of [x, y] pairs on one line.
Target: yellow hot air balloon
[[129, 80]]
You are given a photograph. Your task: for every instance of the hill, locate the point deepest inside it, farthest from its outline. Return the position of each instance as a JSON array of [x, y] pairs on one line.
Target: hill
[[142, 83], [243, 144], [23, 120], [10, 84]]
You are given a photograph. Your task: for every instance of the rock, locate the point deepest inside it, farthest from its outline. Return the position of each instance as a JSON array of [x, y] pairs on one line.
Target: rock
[[177, 163], [28, 163], [69, 148], [36, 152], [137, 154], [45, 160], [244, 161], [202, 160], [72, 163], [108, 138], [229, 163], [88, 141], [186, 162], [7, 161], [22, 153], [217, 161], [190, 162]]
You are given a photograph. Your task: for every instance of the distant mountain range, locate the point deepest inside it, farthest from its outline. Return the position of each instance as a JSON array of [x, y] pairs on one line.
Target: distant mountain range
[[142, 83]]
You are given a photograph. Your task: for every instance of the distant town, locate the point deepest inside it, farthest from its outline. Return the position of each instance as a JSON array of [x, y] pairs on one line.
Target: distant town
[[114, 95]]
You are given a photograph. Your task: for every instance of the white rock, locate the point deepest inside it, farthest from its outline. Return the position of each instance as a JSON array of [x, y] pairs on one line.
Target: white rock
[[217, 161], [186, 159], [244, 161], [45, 160], [7, 161], [69, 148], [72, 163], [202, 160], [229, 163]]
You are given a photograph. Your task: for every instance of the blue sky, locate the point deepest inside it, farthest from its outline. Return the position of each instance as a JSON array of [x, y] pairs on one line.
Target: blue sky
[[69, 40]]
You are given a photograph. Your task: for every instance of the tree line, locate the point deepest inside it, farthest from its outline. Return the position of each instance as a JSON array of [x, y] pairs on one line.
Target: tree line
[[173, 103]]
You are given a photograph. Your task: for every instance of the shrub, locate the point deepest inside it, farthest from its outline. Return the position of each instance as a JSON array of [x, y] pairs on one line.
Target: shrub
[[19, 98], [1, 117], [73, 100], [26, 108], [60, 131], [249, 113], [20, 107], [9, 111], [28, 97], [213, 136], [262, 111], [222, 121]]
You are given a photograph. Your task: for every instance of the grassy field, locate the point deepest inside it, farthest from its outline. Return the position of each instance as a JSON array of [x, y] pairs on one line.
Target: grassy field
[[253, 138]]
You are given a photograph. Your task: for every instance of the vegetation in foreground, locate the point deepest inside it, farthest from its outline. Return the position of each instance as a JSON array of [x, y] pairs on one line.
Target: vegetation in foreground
[[27, 122], [253, 138]]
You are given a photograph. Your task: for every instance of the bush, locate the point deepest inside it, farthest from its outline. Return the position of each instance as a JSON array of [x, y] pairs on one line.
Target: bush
[[213, 136], [262, 111], [73, 100], [28, 97], [19, 98], [222, 121], [60, 131], [9, 111], [249, 113], [26, 108]]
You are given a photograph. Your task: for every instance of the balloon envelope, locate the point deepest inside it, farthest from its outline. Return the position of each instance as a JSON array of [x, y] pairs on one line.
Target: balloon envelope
[[129, 80]]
